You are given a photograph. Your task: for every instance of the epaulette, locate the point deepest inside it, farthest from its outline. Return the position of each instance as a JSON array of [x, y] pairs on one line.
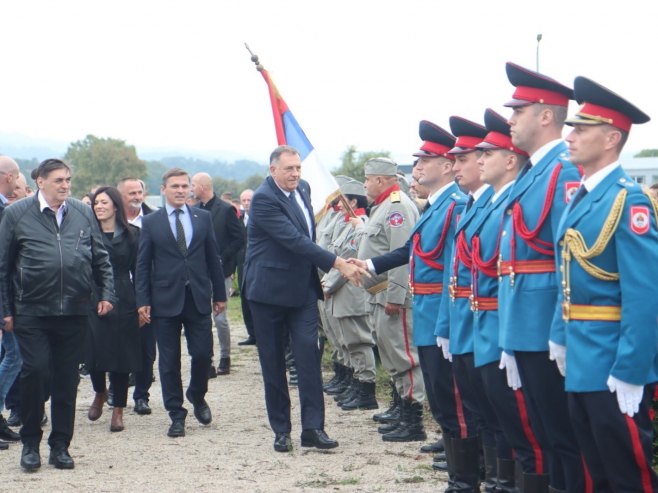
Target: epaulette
[[458, 198], [631, 185], [395, 196]]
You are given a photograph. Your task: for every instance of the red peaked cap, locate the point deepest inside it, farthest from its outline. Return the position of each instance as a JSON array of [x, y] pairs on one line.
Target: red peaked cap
[[601, 105], [468, 134], [499, 133], [533, 87], [436, 141]]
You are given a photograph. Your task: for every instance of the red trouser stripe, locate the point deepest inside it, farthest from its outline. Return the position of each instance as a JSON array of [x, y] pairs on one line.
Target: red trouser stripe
[[589, 485], [639, 454], [405, 332], [463, 430], [527, 430]]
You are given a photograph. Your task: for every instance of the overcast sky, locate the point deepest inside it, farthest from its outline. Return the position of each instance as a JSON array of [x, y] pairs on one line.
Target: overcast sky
[[177, 75]]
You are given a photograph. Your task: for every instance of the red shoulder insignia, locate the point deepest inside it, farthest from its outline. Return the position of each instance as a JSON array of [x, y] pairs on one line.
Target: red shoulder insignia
[[570, 189], [640, 221]]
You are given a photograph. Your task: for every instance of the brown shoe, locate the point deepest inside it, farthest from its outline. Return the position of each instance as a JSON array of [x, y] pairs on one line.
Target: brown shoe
[[96, 408], [117, 419]]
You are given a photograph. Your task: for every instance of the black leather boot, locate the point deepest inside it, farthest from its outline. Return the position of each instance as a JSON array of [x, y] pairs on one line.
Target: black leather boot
[[490, 470], [506, 483], [348, 392], [338, 374], [535, 483], [411, 428], [392, 414], [341, 384], [364, 399], [464, 465]]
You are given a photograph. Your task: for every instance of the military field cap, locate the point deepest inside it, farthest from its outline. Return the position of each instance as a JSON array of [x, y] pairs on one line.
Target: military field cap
[[381, 166], [498, 136], [601, 105], [533, 87], [353, 187], [468, 134], [436, 141], [341, 179]]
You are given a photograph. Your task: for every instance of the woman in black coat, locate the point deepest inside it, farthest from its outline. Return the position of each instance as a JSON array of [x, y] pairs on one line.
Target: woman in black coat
[[115, 338]]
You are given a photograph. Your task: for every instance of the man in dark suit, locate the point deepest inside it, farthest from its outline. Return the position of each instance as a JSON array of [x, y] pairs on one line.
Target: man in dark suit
[[245, 201], [230, 237], [282, 286], [178, 271], [133, 192]]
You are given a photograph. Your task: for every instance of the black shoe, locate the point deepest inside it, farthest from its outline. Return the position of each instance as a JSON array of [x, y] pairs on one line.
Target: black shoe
[[364, 399], [6, 433], [433, 448], [212, 372], [440, 457], [201, 409], [317, 439], [250, 341], [142, 407], [282, 442], [30, 458], [61, 459], [14, 418], [177, 429], [224, 367], [440, 466], [3, 445]]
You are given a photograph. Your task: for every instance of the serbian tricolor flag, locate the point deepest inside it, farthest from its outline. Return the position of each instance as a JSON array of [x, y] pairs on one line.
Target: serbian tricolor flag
[[324, 187]]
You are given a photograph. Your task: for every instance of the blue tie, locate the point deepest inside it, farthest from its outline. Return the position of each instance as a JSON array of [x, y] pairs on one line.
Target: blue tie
[[582, 191]]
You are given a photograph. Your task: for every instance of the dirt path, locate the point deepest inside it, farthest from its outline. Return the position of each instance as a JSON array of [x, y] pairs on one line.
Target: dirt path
[[234, 453]]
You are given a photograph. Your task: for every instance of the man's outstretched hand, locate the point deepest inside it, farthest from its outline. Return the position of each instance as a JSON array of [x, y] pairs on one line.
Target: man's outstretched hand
[[351, 271]]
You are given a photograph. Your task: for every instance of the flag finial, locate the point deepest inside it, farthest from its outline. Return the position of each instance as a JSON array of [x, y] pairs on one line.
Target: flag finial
[[254, 58]]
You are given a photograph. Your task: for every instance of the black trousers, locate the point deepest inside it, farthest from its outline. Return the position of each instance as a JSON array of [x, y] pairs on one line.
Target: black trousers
[[511, 411], [443, 396], [274, 324], [52, 349], [617, 448], [144, 377], [119, 382], [543, 389], [246, 316], [198, 333], [471, 388]]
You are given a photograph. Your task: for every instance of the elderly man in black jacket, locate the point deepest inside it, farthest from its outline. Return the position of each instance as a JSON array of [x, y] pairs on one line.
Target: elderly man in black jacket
[[51, 256], [230, 235]]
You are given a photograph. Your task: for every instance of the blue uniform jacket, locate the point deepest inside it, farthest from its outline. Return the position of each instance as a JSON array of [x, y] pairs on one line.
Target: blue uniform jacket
[[461, 316], [430, 225], [627, 350], [485, 323], [528, 309]]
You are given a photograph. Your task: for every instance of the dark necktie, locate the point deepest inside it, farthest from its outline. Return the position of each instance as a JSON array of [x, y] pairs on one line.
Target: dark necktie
[[180, 234], [469, 204], [427, 206], [582, 191], [298, 211], [526, 168]]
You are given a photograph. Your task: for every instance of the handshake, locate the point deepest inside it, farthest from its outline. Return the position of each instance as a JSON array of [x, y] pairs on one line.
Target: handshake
[[352, 269]]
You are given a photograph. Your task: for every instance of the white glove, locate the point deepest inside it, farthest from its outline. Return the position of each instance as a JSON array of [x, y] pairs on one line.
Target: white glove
[[508, 362], [558, 353], [629, 396], [444, 344]]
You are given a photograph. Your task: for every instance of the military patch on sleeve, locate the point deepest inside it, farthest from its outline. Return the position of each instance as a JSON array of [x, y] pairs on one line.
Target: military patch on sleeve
[[640, 221], [396, 220], [570, 189]]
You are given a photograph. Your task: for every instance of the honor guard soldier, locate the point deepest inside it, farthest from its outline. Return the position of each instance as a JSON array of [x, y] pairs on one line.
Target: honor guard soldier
[[392, 218], [454, 326], [499, 163], [527, 296], [429, 248], [347, 304], [609, 266]]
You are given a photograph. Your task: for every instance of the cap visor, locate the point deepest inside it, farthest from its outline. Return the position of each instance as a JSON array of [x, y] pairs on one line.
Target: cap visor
[[424, 154], [460, 150], [517, 103], [576, 120], [486, 145]]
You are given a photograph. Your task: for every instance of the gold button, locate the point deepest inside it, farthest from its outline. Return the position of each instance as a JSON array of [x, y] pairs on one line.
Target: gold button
[[509, 212], [504, 233]]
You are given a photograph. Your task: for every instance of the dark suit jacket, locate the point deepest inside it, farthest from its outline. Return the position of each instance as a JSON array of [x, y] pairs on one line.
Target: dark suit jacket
[[281, 260], [163, 272], [229, 232]]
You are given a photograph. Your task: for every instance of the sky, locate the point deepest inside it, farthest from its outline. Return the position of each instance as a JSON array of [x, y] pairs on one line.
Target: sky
[[176, 75]]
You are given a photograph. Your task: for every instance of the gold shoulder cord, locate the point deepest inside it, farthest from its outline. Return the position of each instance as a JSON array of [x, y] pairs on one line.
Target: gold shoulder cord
[[574, 244]]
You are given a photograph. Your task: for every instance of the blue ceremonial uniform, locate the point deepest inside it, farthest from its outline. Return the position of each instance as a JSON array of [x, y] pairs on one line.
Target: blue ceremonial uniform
[[461, 316], [625, 349], [527, 309], [430, 227]]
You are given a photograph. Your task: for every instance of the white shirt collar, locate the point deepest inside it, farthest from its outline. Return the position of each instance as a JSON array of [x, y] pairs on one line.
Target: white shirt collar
[[592, 181], [433, 196], [478, 193], [502, 189], [43, 205], [543, 150], [171, 208]]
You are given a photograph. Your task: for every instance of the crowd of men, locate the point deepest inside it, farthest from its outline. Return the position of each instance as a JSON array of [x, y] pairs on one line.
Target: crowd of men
[[502, 286]]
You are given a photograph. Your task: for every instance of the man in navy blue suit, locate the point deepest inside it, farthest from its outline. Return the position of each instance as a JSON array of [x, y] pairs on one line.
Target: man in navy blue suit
[[178, 272], [282, 286]]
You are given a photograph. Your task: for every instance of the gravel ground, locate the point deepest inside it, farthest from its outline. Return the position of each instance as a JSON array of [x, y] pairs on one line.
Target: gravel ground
[[233, 453]]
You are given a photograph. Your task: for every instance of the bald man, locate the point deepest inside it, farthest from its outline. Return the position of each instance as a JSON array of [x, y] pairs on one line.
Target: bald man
[[230, 235]]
